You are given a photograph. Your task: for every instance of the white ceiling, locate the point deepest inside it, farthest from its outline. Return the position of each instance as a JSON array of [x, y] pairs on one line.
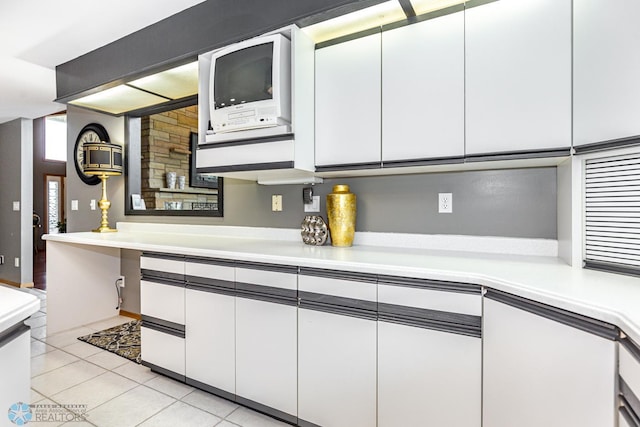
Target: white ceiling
[[37, 35]]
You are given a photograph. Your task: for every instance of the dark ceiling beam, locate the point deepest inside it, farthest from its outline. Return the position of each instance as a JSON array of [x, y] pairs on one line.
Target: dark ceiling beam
[[181, 38]]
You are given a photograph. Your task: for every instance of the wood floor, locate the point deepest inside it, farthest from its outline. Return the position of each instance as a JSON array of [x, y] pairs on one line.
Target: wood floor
[[40, 270]]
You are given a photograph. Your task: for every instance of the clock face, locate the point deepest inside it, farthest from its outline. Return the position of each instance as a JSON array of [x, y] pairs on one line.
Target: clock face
[[90, 133]]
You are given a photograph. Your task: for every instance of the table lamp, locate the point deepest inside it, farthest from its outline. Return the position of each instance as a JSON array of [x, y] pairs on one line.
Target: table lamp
[[103, 159]]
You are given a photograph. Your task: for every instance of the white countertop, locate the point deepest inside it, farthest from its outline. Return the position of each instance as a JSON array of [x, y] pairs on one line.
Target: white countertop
[[608, 297], [15, 306]]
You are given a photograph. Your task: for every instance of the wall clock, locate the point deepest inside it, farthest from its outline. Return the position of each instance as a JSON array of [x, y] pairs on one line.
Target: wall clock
[[90, 133]]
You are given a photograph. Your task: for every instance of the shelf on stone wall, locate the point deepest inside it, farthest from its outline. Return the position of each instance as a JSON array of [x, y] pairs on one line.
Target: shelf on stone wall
[[186, 190], [179, 150]]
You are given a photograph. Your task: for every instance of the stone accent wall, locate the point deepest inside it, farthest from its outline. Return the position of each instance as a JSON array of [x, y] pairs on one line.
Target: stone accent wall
[[165, 148]]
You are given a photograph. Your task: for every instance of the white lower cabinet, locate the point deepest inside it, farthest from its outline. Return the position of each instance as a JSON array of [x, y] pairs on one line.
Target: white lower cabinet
[[336, 370], [162, 306], [15, 369], [543, 372], [267, 339], [428, 377], [266, 355], [163, 351], [429, 354], [337, 352], [210, 340]]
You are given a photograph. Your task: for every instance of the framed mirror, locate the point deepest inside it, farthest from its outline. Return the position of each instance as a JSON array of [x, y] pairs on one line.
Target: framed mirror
[[160, 173]]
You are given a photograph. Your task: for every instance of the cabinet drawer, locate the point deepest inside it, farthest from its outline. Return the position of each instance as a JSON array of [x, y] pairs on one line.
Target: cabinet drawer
[[162, 264], [162, 301], [195, 270], [163, 350], [274, 279], [338, 287], [431, 300]]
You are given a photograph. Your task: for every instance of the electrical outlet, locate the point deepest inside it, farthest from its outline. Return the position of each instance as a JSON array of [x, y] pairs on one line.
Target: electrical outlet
[[74, 205], [16, 206], [445, 202], [92, 204], [276, 203], [16, 262], [121, 281]]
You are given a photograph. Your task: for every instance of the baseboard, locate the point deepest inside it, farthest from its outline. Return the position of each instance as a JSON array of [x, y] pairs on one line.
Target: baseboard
[[130, 314], [17, 284]]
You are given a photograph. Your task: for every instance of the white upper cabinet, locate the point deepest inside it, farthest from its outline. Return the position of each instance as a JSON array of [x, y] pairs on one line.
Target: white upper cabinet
[[423, 90], [348, 102], [518, 76], [606, 55]]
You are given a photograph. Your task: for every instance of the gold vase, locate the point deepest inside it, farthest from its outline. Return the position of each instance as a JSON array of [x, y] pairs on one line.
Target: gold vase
[[341, 212]]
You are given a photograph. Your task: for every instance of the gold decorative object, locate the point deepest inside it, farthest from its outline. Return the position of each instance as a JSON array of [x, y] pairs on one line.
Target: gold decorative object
[[103, 159], [341, 212]]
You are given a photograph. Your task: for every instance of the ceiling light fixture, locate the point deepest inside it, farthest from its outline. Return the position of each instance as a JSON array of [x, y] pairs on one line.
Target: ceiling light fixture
[[169, 85], [425, 6], [360, 20]]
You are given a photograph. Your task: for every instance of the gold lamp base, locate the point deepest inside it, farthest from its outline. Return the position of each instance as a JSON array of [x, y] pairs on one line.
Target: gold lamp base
[[104, 205]]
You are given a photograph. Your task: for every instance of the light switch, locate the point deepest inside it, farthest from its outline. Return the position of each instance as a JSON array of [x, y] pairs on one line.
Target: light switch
[[314, 206], [16, 206], [93, 204], [276, 203], [74, 205]]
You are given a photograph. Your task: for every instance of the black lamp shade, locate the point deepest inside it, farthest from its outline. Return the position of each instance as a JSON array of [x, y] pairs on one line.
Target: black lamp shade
[[102, 158]]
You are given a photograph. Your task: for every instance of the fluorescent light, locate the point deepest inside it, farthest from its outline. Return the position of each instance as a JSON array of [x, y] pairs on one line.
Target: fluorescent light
[[175, 83], [364, 19], [426, 6], [118, 100], [284, 181]]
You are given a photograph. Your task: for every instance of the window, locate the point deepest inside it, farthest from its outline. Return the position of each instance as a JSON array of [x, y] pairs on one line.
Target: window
[[55, 138]]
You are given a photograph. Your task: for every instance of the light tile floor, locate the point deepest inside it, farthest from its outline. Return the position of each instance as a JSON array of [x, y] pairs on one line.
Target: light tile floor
[[117, 392]]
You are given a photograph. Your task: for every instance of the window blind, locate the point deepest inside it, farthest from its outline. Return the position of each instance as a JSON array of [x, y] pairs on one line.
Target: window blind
[[612, 214]]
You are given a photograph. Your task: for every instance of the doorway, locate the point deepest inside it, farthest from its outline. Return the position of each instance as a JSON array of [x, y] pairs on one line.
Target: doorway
[[54, 221]]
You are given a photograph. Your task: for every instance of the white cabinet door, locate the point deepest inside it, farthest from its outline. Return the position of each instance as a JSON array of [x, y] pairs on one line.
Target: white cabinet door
[[348, 102], [15, 371], [428, 377], [210, 339], [538, 372], [518, 76], [423, 90], [266, 354], [163, 350], [606, 66], [336, 370], [162, 300]]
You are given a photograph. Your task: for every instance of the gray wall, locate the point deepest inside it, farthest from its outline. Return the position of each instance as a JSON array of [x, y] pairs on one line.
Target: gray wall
[[130, 269], [506, 203], [16, 157], [41, 168]]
